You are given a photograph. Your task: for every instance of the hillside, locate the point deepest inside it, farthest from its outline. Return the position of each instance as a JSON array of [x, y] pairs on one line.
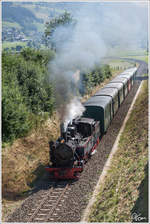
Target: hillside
[[26, 14], [28, 17], [27, 20]]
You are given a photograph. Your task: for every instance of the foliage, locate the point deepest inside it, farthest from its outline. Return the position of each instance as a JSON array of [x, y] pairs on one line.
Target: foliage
[[64, 19], [95, 77], [21, 15], [26, 91], [10, 45], [14, 112]]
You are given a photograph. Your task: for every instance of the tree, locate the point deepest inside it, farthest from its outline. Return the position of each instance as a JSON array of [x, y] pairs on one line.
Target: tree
[[95, 77], [64, 19], [106, 71], [18, 48], [26, 91], [14, 112]]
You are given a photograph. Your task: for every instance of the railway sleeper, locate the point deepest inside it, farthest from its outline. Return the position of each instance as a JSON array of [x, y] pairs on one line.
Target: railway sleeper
[[44, 209], [58, 209], [42, 214], [51, 219]]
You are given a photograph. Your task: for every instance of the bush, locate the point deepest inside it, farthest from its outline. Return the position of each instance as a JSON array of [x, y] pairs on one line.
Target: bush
[[14, 112], [26, 91], [95, 77]]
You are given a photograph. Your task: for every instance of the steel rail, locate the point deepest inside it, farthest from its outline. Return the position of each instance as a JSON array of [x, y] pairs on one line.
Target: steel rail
[[49, 197]]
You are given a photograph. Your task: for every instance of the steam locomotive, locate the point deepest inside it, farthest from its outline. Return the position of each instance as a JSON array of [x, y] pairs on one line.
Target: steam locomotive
[[79, 141], [69, 153]]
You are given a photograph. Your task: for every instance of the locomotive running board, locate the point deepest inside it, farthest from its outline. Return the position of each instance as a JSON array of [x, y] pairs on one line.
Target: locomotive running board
[[64, 173]]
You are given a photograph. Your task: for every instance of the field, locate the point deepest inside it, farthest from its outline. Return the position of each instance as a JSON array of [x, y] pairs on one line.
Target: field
[[11, 25], [124, 194], [40, 27], [7, 44], [141, 57], [119, 64], [126, 53]]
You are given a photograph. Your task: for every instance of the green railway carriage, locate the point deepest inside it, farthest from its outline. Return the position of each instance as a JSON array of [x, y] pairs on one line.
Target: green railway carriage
[[113, 94], [105, 103], [124, 81], [119, 87], [100, 109], [130, 79], [132, 71]]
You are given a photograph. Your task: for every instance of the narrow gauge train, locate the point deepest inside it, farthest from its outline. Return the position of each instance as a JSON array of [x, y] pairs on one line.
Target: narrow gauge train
[[69, 153]]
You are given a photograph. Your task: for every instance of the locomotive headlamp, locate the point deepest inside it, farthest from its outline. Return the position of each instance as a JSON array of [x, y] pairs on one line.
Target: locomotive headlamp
[[62, 141]]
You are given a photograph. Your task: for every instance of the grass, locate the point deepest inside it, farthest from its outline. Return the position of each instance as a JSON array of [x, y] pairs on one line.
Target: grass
[[120, 64], [125, 53], [23, 163], [117, 64], [124, 191], [40, 27], [7, 44], [41, 12], [139, 57], [11, 25]]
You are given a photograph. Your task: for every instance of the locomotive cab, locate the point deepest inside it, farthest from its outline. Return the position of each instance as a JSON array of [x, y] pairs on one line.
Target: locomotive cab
[[85, 129], [84, 126]]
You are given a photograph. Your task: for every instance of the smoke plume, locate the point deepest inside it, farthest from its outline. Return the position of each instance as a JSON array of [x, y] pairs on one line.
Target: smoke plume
[[99, 27], [73, 109]]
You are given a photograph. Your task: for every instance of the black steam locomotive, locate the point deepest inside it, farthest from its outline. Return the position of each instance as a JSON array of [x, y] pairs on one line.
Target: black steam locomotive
[[69, 153]]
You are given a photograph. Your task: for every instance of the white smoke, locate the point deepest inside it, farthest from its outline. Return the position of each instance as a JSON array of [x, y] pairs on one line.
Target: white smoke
[[77, 54], [73, 109], [99, 27]]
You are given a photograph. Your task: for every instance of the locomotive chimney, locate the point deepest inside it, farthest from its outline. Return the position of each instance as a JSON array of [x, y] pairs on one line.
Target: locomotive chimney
[[63, 132]]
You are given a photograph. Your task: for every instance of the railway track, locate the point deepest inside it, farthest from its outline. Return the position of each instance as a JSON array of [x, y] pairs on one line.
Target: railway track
[[50, 203]]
